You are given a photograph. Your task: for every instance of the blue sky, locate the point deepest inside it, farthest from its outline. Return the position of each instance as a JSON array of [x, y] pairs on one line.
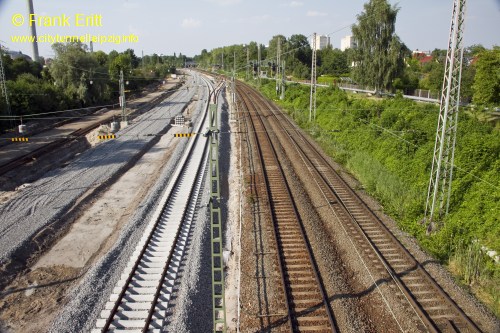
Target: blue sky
[[188, 26]]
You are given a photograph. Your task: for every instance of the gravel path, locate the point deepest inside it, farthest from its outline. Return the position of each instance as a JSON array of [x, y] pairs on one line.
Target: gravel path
[[48, 200]]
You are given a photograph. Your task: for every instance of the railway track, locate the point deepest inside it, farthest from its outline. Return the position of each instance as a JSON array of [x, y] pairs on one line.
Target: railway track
[[59, 142], [308, 308], [141, 296], [436, 311]]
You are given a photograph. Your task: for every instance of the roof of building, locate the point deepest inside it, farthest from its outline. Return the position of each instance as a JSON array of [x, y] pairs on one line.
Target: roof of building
[[17, 54], [422, 57]]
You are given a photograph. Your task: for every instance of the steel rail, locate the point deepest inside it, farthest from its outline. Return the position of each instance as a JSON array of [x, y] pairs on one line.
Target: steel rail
[[253, 102], [420, 309], [75, 135], [150, 237]]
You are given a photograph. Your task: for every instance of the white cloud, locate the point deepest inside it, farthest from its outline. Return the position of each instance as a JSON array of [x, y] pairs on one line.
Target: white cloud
[[296, 4], [190, 23], [313, 13]]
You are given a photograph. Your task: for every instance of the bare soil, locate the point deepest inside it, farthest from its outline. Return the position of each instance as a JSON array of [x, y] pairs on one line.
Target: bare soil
[[33, 299], [29, 302]]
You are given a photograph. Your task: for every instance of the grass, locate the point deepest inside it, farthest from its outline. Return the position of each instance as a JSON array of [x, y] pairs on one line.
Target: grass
[[476, 270]]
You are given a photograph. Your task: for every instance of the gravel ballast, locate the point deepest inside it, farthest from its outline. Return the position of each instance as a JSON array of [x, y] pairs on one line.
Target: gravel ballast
[[47, 203], [89, 297]]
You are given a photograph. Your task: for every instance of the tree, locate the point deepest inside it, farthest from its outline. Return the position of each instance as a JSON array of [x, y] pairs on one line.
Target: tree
[[72, 68], [123, 62], [133, 58], [31, 95], [379, 53], [300, 49], [15, 67], [486, 86], [100, 57], [333, 62], [273, 46]]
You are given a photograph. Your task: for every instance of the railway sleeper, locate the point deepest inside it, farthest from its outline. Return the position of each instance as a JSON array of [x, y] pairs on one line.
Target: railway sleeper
[[304, 287], [295, 234], [291, 244], [306, 280], [296, 258], [378, 237], [299, 268], [127, 314], [143, 283], [293, 253], [136, 306], [144, 290], [301, 294], [124, 323], [295, 276], [313, 324], [311, 304]]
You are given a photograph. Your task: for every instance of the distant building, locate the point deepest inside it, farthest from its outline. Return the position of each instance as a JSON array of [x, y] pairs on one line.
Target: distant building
[[348, 42], [423, 57], [14, 55], [322, 41]]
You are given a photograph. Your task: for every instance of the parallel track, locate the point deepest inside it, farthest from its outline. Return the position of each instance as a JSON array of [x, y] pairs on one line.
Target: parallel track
[[141, 297], [58, 143], [436, 310], [308, 306]]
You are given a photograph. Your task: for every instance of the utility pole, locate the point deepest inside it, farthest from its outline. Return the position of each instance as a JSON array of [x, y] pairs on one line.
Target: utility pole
[[34, 44], [312, 99], [258, 64], [248, 60], [123, 103], [233, 86], [438, 195], [3, 86], [278, 60], [283, 81]]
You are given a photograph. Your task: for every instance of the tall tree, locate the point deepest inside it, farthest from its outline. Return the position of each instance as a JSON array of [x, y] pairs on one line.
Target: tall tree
[[487, 81], [72, 68], [379, 54], [333, 62], [273, 46], [123, 62]]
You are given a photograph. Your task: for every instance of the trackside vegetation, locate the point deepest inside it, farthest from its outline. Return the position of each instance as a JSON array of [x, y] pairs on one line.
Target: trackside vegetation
[[387, 144], [76, 78]]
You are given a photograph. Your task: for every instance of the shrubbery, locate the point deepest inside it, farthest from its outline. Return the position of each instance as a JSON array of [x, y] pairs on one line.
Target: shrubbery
[[77, 78]]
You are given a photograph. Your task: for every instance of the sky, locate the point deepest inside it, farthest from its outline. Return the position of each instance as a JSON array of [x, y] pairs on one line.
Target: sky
[[189, 26]]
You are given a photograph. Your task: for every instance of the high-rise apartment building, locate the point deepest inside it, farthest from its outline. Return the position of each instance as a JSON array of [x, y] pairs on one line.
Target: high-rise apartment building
[[348, 42]]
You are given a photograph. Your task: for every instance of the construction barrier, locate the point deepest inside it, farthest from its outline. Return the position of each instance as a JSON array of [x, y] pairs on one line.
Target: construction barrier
[[106, 137]]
